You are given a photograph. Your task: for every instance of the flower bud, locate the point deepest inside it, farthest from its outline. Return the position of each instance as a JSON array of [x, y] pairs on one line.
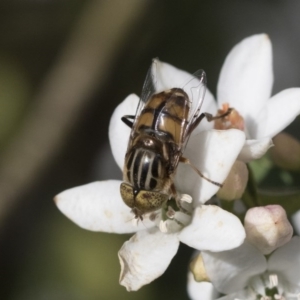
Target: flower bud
[[235, 183], [267, 227], [286, 153], [198, 269], [295, 218]]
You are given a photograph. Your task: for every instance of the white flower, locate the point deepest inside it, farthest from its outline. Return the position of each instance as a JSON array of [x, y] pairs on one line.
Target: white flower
[[245, 273], [98, 206], [245, 83]]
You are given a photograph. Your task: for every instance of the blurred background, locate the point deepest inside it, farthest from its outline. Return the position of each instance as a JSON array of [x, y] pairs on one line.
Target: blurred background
[[64, 66]]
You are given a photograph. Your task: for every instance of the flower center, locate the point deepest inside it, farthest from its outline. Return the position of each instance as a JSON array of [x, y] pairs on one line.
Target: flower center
[[176, 215], [233, 120], [268, 287]]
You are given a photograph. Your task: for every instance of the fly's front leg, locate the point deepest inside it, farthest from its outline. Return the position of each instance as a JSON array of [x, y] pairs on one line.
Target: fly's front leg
[[127, 120], [209, 118], [187, 161]]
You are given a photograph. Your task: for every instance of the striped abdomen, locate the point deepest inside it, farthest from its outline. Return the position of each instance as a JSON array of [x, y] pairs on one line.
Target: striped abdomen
[[144, 169]]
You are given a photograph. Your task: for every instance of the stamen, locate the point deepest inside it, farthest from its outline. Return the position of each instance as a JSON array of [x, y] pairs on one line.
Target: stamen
[[273, 280], [186, 198], [163, 226]]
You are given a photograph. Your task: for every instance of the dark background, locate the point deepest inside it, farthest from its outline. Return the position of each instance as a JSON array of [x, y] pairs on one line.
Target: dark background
[[49, 142]]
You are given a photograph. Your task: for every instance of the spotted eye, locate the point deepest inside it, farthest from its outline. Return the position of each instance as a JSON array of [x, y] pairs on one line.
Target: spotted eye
[[126, 191], [145, 201]]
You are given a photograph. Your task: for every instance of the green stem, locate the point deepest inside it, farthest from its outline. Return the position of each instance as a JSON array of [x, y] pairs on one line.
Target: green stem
[[249, 197]]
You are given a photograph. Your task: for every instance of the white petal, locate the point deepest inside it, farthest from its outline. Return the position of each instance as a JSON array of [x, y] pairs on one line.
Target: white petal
[[213, 152], [254, 149], [145, 257], [213, 229], [168, 76], [118, 131], [230, 271], [235, 183], [248, 294], [200, 290], [286, 261], [281, 110], [246, 77], [98, 206]]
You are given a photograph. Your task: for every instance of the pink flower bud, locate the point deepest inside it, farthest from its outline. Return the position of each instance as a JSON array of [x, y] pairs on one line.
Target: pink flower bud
[[267, 227]]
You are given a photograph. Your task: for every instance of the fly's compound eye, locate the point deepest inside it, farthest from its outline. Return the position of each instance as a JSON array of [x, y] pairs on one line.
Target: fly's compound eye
[[148, 201], [126, 191], [145, 201]]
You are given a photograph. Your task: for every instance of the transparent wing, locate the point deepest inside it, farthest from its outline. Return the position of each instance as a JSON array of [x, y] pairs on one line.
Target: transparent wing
[[177, 115], [149, 88], [195, 88], [194, 85]]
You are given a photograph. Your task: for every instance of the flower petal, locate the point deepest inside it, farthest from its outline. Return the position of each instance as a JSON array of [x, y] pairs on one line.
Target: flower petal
[[248, 294], [281, 110], [167, 76], [230, 271], [213, 229], [286, 261], [200, 290], [213, 153], [98, 206], [246, 77], [234, 186], [145, 257], [254, 149], [119, 132]]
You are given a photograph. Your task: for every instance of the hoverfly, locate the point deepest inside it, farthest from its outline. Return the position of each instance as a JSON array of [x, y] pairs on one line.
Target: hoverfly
[[160, 131]]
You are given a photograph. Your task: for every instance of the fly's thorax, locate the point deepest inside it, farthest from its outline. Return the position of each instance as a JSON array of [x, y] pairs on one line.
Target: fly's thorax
[[166, 115]]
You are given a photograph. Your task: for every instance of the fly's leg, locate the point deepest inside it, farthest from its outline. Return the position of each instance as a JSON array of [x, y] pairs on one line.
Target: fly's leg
[[209, 118], [187, 161], [127, 120]]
